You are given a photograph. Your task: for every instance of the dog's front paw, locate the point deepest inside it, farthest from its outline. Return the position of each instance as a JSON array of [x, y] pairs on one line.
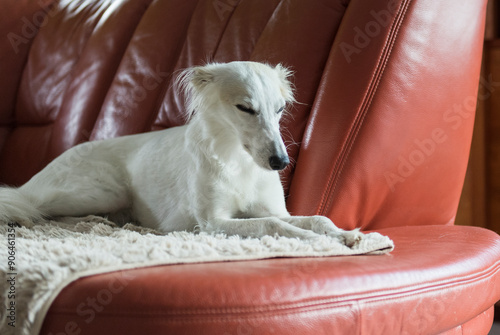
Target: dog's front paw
[[350, 238]]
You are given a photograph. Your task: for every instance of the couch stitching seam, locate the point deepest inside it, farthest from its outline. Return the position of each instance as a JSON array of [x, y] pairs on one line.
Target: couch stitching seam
[[340, 301], [327, 197]]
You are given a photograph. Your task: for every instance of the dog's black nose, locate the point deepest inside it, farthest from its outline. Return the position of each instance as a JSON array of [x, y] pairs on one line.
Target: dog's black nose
[[278, 163]]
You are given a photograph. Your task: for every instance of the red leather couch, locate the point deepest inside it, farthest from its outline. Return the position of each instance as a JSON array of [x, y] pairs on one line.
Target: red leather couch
[[381, 140]]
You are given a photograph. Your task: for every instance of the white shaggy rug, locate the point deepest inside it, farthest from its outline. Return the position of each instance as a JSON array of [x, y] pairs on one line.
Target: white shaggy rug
[[37, 263]]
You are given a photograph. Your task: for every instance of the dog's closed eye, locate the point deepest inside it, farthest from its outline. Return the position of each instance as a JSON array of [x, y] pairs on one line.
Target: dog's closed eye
[[246, 109], [280, 110]]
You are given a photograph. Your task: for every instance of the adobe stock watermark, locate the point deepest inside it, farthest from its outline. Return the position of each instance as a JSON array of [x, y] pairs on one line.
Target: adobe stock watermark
[[423, 148], [71, 158], [93, 305], [31, 26], [373, 28], [79, 153], [300, 273], [132, 98], [223, 7]]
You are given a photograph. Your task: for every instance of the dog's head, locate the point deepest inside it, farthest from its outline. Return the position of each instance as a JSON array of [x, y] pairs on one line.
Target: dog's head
[[245, 100]]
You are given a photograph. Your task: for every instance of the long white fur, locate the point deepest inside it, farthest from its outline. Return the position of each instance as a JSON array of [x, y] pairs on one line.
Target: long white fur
[[213, 174]]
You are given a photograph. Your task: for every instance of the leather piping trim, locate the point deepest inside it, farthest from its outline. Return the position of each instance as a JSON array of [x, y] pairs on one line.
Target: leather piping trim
[[328, 195], [234, 313]]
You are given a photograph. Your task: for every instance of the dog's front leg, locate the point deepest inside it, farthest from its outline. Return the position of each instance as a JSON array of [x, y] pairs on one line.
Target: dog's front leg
[[324, 226], [256, 227]]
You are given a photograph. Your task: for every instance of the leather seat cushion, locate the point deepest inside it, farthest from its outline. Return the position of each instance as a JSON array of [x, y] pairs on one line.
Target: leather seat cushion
[[415, 289]]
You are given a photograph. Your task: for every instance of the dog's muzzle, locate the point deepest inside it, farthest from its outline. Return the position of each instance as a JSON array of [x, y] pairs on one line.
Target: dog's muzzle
[[278, 162]]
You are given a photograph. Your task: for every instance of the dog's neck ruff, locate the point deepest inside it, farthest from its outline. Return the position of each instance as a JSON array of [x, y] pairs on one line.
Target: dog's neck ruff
[[218, 145]]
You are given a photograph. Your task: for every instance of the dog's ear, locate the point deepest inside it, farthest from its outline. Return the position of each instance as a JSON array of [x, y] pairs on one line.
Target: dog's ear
[[286, 86], [191, 82], [200, 76]]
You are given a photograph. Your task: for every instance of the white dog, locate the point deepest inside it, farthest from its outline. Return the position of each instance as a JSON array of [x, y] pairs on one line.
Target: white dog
[[218, 173]]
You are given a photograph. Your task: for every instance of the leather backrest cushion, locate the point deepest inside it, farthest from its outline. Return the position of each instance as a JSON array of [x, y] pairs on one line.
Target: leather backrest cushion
[[100, 69], [374, 82], [396, 110]]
